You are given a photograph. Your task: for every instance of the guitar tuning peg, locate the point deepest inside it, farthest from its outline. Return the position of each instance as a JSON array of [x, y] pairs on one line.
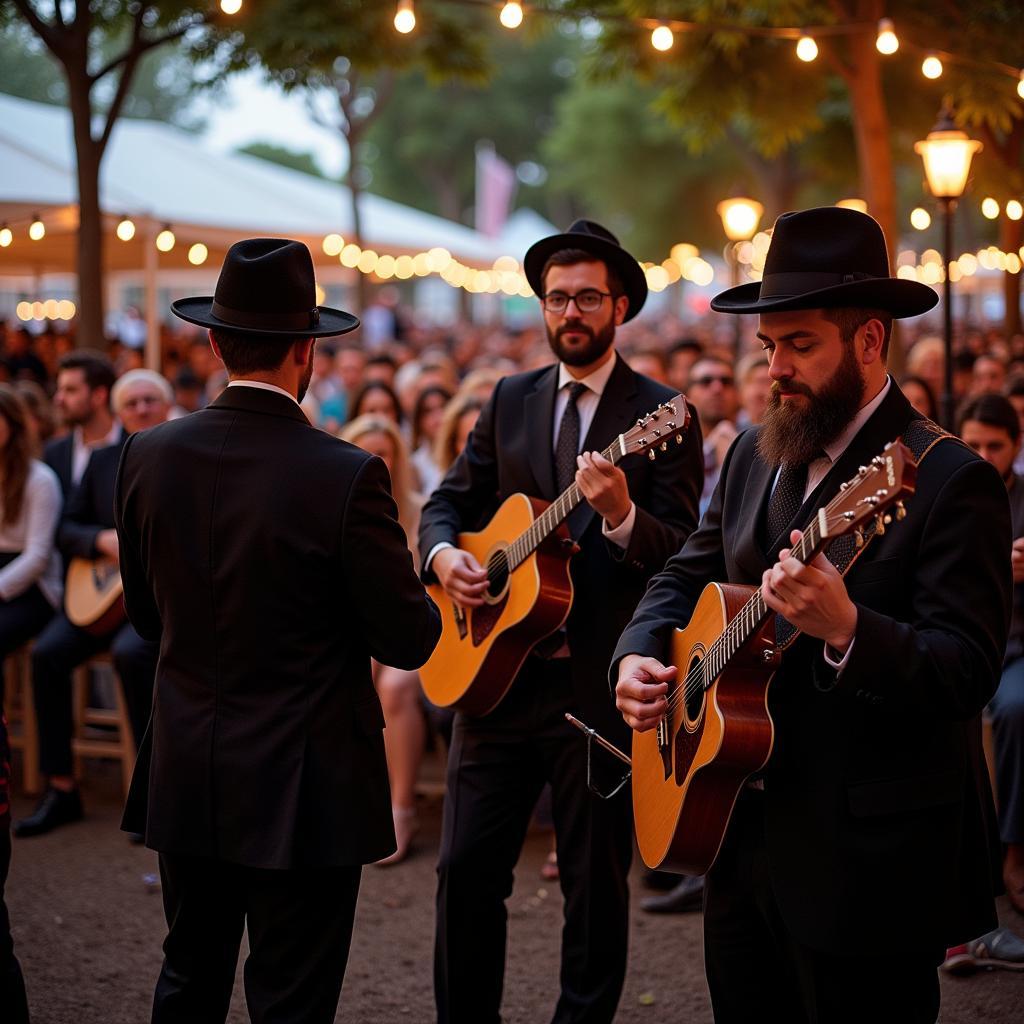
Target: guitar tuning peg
[[887, 520], [650, 454], [843, 486], [679, 438], [664, 446], [858, 537], [880, 525], [862, 471], [901, 511]]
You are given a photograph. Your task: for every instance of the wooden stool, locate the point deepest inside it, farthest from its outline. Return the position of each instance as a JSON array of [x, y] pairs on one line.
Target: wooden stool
[[20, 708], [113, 740]]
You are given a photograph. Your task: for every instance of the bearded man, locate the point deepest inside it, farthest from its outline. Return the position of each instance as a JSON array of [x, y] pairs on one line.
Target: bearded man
[[540, 431], [872, 816]]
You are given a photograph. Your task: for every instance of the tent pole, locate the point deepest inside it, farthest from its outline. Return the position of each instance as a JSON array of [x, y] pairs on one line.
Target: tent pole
[[151, 258]]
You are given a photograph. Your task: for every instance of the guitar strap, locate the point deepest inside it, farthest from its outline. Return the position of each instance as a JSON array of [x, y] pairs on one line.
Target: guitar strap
[[920, 436]]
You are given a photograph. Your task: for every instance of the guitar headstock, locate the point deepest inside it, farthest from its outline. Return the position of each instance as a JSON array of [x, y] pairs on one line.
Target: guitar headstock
[[876, 494], [654, 431]]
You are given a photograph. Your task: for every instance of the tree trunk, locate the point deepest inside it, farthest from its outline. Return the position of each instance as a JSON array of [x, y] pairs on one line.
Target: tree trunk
[[1011, 234], [90, 218]]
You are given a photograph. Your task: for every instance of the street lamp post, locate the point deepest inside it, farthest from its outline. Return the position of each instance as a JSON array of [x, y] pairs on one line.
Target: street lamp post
[[947, 152], [740, 217]]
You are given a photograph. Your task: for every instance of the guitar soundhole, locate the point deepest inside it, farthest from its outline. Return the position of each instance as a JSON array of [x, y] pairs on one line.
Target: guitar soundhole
[[694, 699], [497, 575]]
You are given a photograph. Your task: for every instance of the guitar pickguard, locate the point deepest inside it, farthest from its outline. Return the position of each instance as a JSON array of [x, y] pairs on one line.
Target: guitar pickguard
[[485, 618]]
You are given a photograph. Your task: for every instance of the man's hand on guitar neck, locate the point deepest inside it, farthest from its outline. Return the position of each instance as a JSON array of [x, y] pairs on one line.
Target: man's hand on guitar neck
[[463, 578], [604, 486], [812, 597], [641, 689], [106, 544]]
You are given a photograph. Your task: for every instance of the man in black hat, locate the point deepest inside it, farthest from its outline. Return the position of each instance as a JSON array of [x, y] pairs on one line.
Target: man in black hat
[[267, 559], [866, 847], [540, 431]]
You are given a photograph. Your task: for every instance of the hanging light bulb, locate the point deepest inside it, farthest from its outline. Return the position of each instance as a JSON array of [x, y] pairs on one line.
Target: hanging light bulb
[[887, 42], [931, 66], [165, 240], [126, 229], [1014, 209], [920, 218], [511, 14], [230, 6], [6, 236], [1020, 86], [405, 17], [197, 254], [806, 49], [662, 38], [989, 208], [37, 229]]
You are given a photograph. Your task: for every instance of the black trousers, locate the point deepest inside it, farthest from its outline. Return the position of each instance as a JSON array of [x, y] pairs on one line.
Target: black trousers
[[756, 970], [300, 929], [60, 648], [22, 618], [497, 766]]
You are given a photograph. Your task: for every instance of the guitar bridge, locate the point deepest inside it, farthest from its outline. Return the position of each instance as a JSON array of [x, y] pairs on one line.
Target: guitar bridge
[[665, 743], [460, 620]]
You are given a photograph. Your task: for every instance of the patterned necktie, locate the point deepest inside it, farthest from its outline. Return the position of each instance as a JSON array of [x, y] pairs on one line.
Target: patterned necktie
[[785, 502], [568, 446]]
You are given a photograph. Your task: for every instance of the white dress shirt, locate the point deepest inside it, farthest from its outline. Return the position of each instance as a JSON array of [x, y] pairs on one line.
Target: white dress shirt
[[263, 386], [81, 450]]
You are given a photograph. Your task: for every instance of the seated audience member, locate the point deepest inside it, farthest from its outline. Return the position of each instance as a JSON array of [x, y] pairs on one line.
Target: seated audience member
[[988, 375], [188, 393], [21, 361], [41, 417], [755, 387], [399, 690], [380, 367], [1015, 393], [712, 391], [681, 357], [141, 399], [927, 359], [376, 399], [426, 419], [457, 424], [651, 363], [989, 424], [82, 401], [920, 395]]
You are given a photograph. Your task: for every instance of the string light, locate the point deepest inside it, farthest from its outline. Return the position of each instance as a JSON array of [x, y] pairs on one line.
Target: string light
[[6, 236], [126, 229], [230, 6], [989, 208], [197, 254], [920, 218], [887, 42], [1020, 86], [859, 205], [511, 14], [37, 229], [806, 49], [405, 17], [333, 244], [1014, 210], [931, 67], [662, 38], [165, 240]]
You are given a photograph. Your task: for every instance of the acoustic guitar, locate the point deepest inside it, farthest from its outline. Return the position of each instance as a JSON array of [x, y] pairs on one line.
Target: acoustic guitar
[[93, 595], [525, 549], [716, 730]]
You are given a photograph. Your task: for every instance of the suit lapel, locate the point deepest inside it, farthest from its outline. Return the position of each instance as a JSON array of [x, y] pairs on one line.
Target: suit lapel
[[749, 546], [258, 400], [539, 410]]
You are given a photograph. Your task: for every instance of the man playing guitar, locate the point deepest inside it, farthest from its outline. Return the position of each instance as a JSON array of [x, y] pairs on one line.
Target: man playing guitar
[[539, 431], [861, 850]]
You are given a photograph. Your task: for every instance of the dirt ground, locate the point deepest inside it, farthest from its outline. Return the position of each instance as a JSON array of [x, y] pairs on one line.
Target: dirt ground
[[88, 925]]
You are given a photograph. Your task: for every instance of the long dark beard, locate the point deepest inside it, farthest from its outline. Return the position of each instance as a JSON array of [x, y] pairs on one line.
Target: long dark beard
[[795, 435], [590, 352]]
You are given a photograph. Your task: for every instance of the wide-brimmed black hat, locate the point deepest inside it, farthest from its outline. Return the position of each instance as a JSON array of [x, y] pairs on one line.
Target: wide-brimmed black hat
[[266, 286], [590, 237], [824, 258]]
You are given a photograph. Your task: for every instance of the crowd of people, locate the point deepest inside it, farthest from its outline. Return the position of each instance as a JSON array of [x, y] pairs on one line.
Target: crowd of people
[[413, 399]]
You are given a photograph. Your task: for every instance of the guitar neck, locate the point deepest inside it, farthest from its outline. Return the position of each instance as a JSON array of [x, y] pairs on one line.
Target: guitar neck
[[555, 514]]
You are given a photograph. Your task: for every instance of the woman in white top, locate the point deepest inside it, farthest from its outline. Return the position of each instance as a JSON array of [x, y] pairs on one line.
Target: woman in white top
[[30, 503]]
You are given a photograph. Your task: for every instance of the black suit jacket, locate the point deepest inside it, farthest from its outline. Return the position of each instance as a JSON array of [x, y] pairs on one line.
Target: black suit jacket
[[89, 508], [510, 451], [267, 559], [877, 807], [58, 454]]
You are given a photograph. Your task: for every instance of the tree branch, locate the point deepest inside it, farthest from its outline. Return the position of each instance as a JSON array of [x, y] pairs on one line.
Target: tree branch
[[42, 28], [140, 46]]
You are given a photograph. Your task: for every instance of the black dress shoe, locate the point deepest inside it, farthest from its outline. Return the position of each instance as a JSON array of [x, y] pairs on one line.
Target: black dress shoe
[[686, 896], [659, 881], [55, 809]]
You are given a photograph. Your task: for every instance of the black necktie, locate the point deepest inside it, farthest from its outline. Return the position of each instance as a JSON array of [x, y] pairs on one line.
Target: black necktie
[[785, 502], [568, 446]]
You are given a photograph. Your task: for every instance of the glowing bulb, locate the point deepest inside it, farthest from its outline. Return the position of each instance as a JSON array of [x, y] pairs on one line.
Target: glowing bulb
[[920, 218], [24, 311], [662, 38], [165, 240], [6, 237], [333, 244], [1014, 210], [931, 67], [1020, 86], [989, 208], [197, 254], [511, 15], [806, 49], [37, 229], [126, 229], [887, 42], [230, 6], [405, 17]]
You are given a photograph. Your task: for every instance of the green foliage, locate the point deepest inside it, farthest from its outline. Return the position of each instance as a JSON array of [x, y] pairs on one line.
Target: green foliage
[[304, 162]]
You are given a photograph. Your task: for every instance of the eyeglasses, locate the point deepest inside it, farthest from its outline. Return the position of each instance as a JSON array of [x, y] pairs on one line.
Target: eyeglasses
[[706, 382], [131, 403], [587, 301]]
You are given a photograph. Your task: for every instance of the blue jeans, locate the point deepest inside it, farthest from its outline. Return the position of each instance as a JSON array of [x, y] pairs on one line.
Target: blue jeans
[[1007, 711]]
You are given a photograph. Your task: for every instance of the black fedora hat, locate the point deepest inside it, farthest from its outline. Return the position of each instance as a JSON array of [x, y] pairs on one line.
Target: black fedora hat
[[604, 246], [266, 286], [824, 258]]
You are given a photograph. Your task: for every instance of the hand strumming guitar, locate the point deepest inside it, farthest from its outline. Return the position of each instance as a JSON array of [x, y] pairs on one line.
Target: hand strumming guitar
[[640, 691], [106, 544], [461, 575]]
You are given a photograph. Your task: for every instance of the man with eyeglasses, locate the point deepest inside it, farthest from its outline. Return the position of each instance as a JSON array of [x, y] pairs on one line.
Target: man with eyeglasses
[[713, 392], [540, 431], [140, 399]]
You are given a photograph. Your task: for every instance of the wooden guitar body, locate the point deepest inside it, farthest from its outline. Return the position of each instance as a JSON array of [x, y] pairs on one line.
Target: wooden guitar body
[[94, 596], [482, 649], [688, 772]]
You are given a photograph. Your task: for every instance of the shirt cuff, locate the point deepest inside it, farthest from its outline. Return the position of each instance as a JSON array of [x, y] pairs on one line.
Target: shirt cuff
[[433, 551], [621, 534], [841, 664]]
